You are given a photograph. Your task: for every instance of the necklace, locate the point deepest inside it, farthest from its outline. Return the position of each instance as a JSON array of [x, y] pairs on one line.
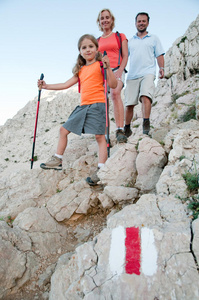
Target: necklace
[[104, 37]]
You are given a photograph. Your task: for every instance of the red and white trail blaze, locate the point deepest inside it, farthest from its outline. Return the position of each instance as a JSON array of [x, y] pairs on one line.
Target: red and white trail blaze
[[133, 251]]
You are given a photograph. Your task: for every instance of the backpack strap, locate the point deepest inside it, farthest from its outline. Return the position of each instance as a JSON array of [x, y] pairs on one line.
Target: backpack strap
[[119, 41], [102, 70]]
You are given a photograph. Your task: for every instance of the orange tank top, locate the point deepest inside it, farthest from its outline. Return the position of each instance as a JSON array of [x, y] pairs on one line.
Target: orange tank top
[[110, 45], [91, 80]]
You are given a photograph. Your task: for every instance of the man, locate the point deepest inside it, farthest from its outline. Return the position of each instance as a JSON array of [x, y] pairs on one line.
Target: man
[[144, 48]]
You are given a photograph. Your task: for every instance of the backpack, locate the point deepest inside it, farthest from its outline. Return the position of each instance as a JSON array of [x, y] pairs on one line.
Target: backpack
[[119, 41], [102, 70]]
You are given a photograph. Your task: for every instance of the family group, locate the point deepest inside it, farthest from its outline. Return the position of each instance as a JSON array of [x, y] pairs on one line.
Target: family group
[[143, 50]]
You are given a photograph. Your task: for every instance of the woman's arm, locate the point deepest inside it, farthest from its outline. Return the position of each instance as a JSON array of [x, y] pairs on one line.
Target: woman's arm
[[58, 86], [119, 72]]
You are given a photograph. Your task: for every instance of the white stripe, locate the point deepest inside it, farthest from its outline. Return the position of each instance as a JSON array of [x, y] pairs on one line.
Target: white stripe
[[148, 252], [117, 251]]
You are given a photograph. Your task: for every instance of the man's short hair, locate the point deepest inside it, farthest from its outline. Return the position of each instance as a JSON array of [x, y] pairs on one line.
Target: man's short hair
[[142, 13]]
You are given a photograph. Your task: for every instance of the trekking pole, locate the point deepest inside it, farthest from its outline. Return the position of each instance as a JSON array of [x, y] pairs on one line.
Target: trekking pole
[[107, 110], [34, 139]]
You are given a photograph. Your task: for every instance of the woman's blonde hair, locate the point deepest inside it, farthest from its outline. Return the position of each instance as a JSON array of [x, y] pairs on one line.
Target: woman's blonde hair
[[112, 16], [80, 60]]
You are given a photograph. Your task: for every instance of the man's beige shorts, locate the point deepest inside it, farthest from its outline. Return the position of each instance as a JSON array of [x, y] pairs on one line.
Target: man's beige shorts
[[135, 88]]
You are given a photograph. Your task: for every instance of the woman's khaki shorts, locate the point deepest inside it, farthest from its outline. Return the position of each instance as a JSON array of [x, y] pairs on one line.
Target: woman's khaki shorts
[[135, 88], [122, 79]]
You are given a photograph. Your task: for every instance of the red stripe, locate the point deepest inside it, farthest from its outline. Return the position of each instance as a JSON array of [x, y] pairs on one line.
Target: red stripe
[[133, 251]]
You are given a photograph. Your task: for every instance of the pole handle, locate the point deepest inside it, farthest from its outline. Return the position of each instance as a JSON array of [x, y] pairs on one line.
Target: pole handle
[[105, 53], [41, 78]]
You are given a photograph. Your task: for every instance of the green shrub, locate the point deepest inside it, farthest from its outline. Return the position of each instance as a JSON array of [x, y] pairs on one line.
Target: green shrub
[[34, 158], [189, 115], [162, 143], [183, 39], [137, 145], [191, 181], [181, 157], [192, 204], [7, 219], [174, 97], [154, 104], [194, 207]]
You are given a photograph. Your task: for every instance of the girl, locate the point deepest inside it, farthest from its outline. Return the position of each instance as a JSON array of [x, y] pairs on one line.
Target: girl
[[90, 116]]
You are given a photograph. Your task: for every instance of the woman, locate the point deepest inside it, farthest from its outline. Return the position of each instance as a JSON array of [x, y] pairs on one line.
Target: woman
[[108, 42]]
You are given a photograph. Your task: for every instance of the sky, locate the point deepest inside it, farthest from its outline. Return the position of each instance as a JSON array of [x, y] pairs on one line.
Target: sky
[[40, 36]]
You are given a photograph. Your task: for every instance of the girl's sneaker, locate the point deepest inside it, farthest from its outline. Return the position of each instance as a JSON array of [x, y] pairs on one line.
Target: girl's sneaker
[[93, 180], [53, 163]]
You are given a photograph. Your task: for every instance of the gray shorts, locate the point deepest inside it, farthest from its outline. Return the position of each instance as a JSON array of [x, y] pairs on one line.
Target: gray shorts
[[89, 119], [135, 88]]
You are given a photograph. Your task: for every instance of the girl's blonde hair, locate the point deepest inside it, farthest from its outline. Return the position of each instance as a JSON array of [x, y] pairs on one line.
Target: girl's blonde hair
[[80, 60], [99, 16]]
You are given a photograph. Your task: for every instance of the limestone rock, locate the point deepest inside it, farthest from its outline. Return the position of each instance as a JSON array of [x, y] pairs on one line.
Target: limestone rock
[[105, 201], [149, 164], [43, 230], [185, 145], [18, 262], [16, 194], [120, 168], [121, 194], [195, 244], [155, 217], [71, 200]]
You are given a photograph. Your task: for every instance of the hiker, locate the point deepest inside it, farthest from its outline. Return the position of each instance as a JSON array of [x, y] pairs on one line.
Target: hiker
[[90, 116], [144, 49], [112, 44]]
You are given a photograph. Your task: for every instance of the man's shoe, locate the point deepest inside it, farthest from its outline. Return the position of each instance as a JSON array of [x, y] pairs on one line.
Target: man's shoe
[[120, 136], [127, 131], [93, 180], [53, 163], [146, 126]]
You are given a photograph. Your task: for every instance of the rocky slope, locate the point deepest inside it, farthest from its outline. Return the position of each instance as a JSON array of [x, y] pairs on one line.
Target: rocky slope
[[132, 236]]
